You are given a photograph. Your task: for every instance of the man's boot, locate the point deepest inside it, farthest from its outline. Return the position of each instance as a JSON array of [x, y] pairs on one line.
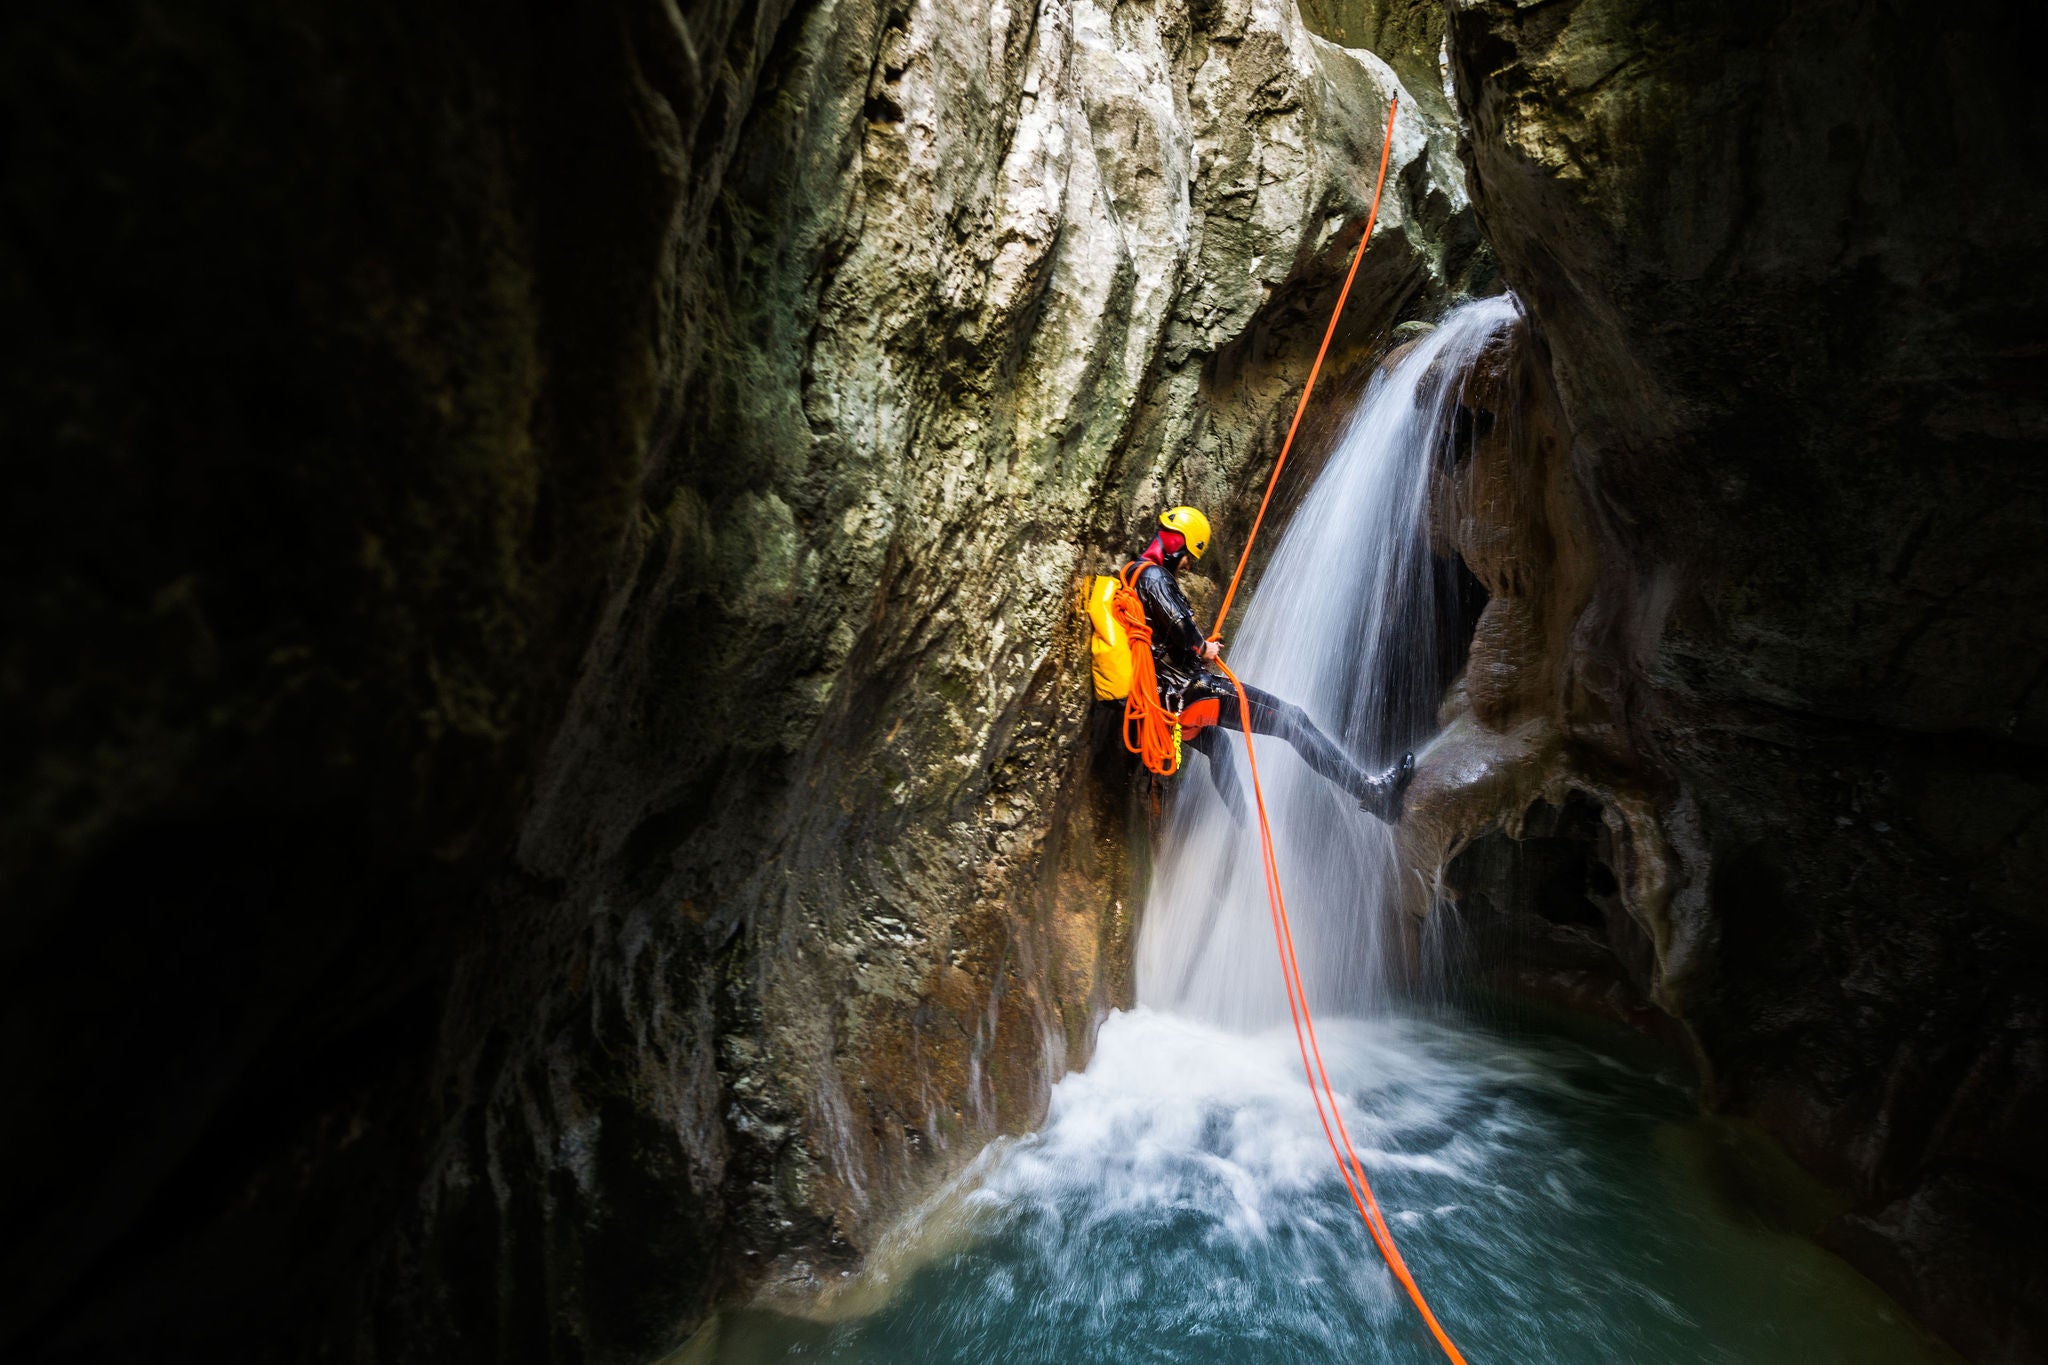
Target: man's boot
[[1383, 794]]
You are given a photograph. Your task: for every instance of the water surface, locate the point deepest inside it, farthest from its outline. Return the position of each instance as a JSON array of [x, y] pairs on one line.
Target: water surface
[[1180, 1205]]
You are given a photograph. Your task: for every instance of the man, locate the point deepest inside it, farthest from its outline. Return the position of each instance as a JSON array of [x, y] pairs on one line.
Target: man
[[1180, 655]]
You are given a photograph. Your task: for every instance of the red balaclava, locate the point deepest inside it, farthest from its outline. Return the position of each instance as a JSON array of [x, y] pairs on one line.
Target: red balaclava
[[1164, 544]]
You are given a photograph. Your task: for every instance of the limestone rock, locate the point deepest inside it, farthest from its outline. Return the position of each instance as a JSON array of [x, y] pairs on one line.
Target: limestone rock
[[967, 326], [554, 749], [1767, 572]]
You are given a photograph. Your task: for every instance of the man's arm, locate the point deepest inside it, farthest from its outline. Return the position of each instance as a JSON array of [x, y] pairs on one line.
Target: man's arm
[[1173, 620]]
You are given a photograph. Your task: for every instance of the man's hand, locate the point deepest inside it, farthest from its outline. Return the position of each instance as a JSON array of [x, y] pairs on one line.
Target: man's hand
[[1211, 648]]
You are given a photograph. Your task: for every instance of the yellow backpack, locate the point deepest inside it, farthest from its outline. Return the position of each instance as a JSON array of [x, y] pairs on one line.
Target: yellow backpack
[[1123, 672], [1111, 647]]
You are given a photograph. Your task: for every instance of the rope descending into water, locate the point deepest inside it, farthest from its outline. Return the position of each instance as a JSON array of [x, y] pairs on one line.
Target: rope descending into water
[[1283, 932], [1348, 1164]]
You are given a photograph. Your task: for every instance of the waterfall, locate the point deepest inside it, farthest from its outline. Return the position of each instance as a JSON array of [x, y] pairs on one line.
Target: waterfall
[[1344, 624]]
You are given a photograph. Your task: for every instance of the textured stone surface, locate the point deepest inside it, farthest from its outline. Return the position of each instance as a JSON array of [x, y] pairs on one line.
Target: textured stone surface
[[336, 341], [1763, 666], [546, 751], [550, 735], [1409, 34], [985, 289]]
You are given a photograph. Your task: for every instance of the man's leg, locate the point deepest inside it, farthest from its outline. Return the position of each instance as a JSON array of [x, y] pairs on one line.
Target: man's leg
[[1284, 720], [1271, 715], [1208, 742]]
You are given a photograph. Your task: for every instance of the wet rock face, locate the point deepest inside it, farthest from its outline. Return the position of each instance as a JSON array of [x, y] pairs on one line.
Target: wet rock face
[[1783, 625], [556, 758], [1409, 34], [829, 821]]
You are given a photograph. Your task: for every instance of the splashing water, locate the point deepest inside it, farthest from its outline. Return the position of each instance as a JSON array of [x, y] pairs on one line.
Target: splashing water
[[1180, 1203]]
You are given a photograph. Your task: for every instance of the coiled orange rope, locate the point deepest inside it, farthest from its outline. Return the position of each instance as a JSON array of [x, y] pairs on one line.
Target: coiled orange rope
[[1150, 730], [1325, 1095]]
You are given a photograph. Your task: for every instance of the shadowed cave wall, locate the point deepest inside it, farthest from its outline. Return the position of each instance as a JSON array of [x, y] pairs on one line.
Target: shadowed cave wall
[[1761, 675], [548, 771]]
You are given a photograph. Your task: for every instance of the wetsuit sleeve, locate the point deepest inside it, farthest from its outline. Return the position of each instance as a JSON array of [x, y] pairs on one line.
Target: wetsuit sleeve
[[1173, 620]]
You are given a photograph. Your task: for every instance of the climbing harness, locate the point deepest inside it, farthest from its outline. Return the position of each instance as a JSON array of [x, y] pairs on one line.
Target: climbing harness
[[1324, 1093]]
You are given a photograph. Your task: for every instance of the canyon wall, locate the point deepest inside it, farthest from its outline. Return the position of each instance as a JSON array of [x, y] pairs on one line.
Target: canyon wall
[[1749, 751], [836, 857], [337, 339], [557, 756]]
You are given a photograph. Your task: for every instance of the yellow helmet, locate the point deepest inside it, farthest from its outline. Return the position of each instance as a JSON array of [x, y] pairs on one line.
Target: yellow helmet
[[1192, 525]]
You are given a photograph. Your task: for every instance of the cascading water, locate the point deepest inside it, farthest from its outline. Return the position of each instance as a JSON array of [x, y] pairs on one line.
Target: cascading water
[[1343, 625], [1180, 1204]]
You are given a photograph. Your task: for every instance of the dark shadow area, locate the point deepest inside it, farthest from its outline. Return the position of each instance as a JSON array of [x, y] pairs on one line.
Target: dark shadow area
[[1541, 917]]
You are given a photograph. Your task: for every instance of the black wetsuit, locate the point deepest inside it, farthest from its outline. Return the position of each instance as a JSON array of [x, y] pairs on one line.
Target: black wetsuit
[[1184, 679]]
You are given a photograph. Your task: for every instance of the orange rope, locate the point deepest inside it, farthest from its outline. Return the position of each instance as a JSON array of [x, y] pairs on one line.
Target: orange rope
[[1150, 730], [1371, 219], [1312, 1066], [1331, 1117]]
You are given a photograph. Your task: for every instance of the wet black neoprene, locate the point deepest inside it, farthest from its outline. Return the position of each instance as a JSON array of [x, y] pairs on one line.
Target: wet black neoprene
[[1185, 679]]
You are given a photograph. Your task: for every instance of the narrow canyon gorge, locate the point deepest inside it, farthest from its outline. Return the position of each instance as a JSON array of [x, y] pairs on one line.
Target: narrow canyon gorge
[[552, 786]]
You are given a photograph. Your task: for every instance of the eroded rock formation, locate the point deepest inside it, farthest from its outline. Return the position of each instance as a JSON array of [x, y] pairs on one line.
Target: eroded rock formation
[[821, 799], [553, 638], [1761, 509]]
